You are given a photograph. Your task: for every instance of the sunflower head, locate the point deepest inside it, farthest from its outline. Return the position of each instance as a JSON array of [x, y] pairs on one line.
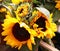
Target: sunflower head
[[39, 20], [39, 23], [22, 10], [19, 32], [42, 25]]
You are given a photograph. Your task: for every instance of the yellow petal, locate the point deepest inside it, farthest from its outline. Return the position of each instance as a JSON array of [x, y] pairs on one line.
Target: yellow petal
[[33, 32], [6, 38], [15, 1], [54, 27], [29, 44], [8, 41], [32, 40], [4, 33], [19, 46]]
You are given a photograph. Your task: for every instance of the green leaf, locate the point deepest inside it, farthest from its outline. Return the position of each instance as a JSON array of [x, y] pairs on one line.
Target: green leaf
[[36, 2], [50, 6], [2, 16], [56, 15], [58, 23], [9, 1]]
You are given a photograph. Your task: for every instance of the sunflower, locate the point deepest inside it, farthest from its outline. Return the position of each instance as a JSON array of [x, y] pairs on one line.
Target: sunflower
[[20, 1], [18, 33], [17, 2], [42, 25], [22, 10], [58, 5]]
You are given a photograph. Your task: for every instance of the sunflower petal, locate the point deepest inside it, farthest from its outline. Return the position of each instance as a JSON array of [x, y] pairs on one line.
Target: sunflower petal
[[29, 44], [32, 40], [19, 46]]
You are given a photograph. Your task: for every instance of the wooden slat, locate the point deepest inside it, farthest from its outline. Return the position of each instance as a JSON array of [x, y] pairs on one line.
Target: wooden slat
[[47, 46]]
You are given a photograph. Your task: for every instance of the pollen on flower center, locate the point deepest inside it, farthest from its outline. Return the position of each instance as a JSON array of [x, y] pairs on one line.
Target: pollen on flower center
[[41, 23], [20, 33]]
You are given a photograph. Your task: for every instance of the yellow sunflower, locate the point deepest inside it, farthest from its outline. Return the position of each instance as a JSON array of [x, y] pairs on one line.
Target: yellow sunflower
[[22, 10], [17, 33], [58, 5], [42, 25], [17, 2], [20, 1]]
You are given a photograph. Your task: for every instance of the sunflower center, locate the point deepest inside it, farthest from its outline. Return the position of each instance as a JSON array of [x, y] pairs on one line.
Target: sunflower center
[[21, 10], [41, 23], [20, 33]]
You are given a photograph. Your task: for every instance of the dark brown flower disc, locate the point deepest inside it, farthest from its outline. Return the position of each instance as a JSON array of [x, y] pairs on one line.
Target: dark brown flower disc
[[41, 22], [20, 33]]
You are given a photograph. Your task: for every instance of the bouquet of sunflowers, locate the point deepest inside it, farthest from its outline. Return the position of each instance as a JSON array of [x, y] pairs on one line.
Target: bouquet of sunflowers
[[26, 22]]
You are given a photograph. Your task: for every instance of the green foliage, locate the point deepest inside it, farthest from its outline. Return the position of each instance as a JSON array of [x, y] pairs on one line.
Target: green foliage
[[56, 15], [9, 1]]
